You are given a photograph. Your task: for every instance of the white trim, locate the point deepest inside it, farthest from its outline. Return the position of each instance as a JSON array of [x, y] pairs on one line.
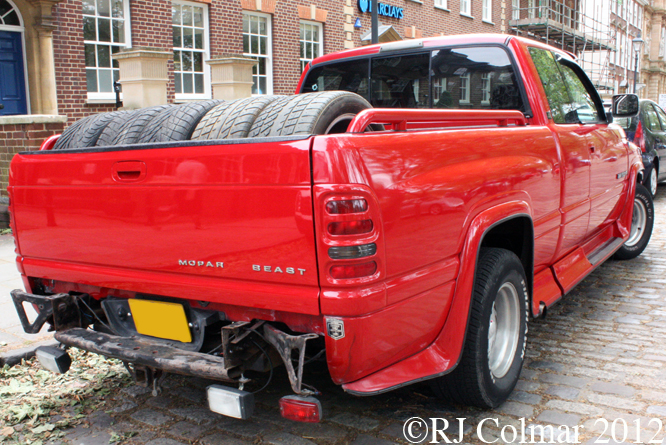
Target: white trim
[[487, 5], [269, 47], [467, 15], [21, 29], [207, 94]]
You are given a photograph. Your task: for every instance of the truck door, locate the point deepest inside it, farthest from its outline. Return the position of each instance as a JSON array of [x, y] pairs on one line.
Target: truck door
[[608, 155], [574, 151]]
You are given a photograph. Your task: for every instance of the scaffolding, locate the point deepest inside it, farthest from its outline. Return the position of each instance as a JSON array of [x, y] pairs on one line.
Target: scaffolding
[[578, 26]]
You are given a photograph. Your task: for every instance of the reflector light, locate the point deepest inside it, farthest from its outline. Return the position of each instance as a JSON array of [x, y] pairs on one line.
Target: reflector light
[[352, 252], [230, 402], [354, 270], [300, 409], [350, 227], [347, 206], [638, 137]]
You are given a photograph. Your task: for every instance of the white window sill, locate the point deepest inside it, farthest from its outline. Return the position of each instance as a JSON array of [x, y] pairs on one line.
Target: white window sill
[[185, 99], [467, 15], [103, 101], [442, 9], [416, 1], [485, 102], [489, 22], [464, 102]]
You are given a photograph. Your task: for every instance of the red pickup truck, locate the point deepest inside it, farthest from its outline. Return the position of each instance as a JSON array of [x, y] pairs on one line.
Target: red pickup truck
[[402, 219]]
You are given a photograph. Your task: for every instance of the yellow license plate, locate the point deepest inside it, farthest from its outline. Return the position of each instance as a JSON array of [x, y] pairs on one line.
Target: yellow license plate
[[160, 319]]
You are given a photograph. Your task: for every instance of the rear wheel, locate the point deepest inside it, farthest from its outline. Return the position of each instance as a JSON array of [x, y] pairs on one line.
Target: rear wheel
[[494, 348], [642, 223], [652, 180]]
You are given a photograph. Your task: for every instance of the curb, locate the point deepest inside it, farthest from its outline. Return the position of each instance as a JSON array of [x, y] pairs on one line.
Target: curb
[[15, 356]]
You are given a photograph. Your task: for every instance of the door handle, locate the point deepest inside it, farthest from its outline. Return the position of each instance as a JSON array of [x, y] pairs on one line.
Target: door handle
[[129, 171]]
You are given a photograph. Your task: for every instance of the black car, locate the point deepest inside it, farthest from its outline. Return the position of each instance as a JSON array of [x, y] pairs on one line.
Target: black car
[[648, 131]]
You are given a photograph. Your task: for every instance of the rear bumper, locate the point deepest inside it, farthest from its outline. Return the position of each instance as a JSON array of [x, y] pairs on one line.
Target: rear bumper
[[149, 353]]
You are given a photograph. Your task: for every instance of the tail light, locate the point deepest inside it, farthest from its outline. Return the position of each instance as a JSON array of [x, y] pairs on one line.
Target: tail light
[[349, 228], [639, 137], [300, 409]]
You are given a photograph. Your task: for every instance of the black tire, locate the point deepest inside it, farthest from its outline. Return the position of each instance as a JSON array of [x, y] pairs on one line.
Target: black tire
[[113, 128], [642, 223], [264, 122], [176, 123], [141, 121], [327, 112], [485, 376], [85, 132], [230, 120]]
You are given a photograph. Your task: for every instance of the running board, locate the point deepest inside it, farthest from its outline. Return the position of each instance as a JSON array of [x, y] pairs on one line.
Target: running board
[[606, 250]]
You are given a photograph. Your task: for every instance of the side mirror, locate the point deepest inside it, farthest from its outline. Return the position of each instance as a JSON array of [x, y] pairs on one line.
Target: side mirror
[[625, 105]]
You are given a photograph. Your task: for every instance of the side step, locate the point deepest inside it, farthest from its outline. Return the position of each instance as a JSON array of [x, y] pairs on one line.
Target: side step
[[149, 353], [605, 250]]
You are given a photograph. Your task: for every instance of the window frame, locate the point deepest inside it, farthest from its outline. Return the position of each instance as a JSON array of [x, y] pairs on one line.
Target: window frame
[[269, 50], [127, 19], [207, 94], [466, 98], [487, 11], [468, 10], [442, 4], [320, 29]]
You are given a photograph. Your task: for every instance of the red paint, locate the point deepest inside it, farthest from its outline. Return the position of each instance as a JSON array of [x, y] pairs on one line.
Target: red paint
[[49, 143], [247, 227]]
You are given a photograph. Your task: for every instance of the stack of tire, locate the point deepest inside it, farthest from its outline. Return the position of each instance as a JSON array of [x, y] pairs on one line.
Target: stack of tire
[[264, 116]]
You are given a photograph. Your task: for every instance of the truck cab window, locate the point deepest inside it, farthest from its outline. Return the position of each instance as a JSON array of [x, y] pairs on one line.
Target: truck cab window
[[478, 78], [346, 76], [400, 81], [582, 104]]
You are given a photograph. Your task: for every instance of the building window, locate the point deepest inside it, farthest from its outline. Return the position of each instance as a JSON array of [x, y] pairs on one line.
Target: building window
[[257, 43], [485, 88], [441, 4], [464, 88], [515, 7], [466, 7], [312, 41], [487, 14], [531, 9], [106, 29], [190, 49]]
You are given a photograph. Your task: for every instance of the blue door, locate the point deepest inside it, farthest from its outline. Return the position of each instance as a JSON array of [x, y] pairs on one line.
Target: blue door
[[12, 76]]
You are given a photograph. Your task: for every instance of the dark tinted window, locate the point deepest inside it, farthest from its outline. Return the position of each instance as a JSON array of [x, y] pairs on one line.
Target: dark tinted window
[[662, 115], [474, 78], [650, 119], [400, 81], [348, 76]]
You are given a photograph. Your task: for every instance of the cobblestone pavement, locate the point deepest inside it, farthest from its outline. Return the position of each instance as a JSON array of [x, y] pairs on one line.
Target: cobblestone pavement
[[596, 365]]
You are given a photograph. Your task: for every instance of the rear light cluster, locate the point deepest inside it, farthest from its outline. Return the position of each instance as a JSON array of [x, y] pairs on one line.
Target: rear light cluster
[[639, 138], [349, 227]]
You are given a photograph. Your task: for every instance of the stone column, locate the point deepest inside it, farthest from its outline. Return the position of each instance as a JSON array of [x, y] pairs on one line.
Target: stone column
[[231, 76], [143, 76], [44, 24]]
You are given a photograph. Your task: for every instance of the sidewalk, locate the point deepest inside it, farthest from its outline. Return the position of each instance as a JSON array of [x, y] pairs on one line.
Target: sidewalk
[[12, 337]]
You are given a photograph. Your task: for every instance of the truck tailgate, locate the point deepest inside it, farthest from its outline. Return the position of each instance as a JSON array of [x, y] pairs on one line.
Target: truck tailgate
[[227, 222]]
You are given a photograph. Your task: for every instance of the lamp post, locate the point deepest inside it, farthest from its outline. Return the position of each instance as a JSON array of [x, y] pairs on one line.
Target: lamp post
[[637, 43]]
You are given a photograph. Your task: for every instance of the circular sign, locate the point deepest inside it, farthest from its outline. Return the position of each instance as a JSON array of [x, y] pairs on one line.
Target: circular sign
[[364, 5]]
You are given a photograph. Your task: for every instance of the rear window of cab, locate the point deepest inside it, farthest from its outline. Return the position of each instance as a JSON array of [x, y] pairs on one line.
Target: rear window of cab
[[466, 77]]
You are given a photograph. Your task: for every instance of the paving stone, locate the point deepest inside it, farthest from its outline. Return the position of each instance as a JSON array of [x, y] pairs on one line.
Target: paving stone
[[200, 416], [612, 388], [282, 438], [615, 402], [659, 410], [525, 397], [563, 392], [100, 420], [93, 438], [364, 439], [355, 422], [186, 430], [323, 431], [576, 382], [523, 385], [161, 401], [219, 438], [546, 365], [164, 441], [558, 418], [246, 429], [196, 395], [516, 409], [151, 417], [126, 406], [578, 408], [136, 390]]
